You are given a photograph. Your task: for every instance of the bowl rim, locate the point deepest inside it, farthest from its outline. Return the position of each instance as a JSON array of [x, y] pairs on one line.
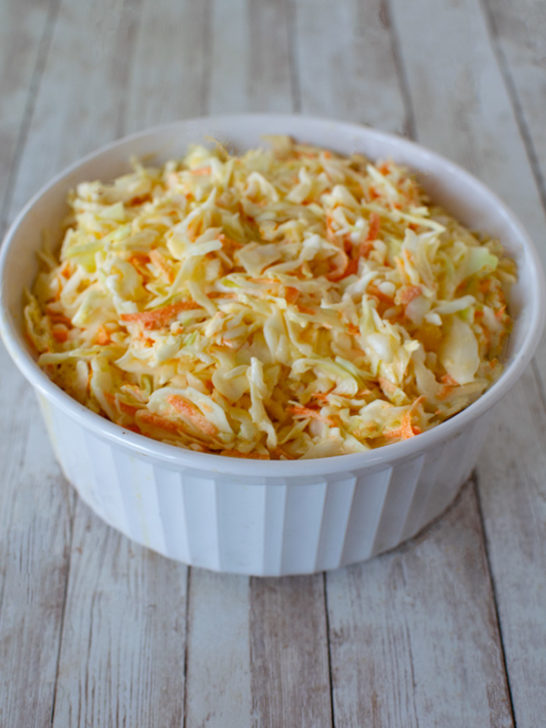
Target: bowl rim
[[179, 457]]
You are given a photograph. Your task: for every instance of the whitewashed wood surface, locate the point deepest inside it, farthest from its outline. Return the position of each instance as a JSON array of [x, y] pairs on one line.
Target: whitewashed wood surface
[[448, 630]]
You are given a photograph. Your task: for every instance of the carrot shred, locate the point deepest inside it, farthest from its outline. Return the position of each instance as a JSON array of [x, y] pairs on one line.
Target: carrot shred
[[408, 293], [139, 199], [374, 226], [159, 261], [60, 333], [291, 294], [192, 413], [406, 430], [378, 293], [202, 171], [153, 420], [103, 337], [299, 411], [306, 309], [160, 316]]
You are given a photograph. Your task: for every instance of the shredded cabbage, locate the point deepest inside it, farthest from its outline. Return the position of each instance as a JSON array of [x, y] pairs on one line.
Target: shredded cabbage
[[287, 303]]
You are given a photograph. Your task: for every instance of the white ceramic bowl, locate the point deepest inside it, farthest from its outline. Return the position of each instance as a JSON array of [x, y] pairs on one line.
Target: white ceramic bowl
[[267, 517]]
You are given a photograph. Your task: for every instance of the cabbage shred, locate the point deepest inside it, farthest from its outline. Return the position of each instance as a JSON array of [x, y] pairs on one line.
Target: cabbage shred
[[287, 303]]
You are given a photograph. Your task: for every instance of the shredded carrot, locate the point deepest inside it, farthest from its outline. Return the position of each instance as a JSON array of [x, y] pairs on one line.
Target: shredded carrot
[[408, 293], [378, 293], [125, 407], [152, 420], [291, 294], [386, 385], [103, 337], [406, 429], [202, 171], [139, 200], [66, 270], [374, 226], [160, 316], [159, 261], [60, 333], [299, 411], [306, 309], [192, 413], [58, 318]]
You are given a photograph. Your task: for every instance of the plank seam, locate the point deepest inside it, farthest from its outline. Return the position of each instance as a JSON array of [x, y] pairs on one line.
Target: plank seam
[[207, 67], [539, 383], [409, 124], [513, 95], [186, 644], [30, 104], [327, 618], [72, 499], [292, 56], [475, 483], [131, 10]]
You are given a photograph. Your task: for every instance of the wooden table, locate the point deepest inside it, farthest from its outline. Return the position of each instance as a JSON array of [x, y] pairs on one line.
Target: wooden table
[[450, 629]]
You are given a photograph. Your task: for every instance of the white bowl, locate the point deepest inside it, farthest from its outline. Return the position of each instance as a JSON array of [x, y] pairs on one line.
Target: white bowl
[[251, 516]]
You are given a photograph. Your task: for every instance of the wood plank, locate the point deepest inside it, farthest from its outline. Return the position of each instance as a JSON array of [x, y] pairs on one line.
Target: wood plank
[[249, 46], [35, 533], [169, 64], [519, 33], [21, 59], [79, 102], [520, 555], [33, 556], [122, 657], [404, 621], [345, 64], [513, 496], [289, 653], [462, 108], [218, 686]]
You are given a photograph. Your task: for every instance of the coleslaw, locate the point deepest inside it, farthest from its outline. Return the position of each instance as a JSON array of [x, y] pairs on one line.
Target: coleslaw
[[286, 303]]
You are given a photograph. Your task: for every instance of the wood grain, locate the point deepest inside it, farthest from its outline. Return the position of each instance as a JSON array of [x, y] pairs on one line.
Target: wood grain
[[513, 488], [168, 78], [218, 690], [123, 643], [33, 556], [345, 63], [403, 622], [22, 54], [518, 36], [289, 653], [79, 102], [249, 54], [35, 533]]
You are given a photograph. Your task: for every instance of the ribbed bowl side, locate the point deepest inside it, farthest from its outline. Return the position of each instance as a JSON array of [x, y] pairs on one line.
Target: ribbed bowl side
[[269, 526]]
